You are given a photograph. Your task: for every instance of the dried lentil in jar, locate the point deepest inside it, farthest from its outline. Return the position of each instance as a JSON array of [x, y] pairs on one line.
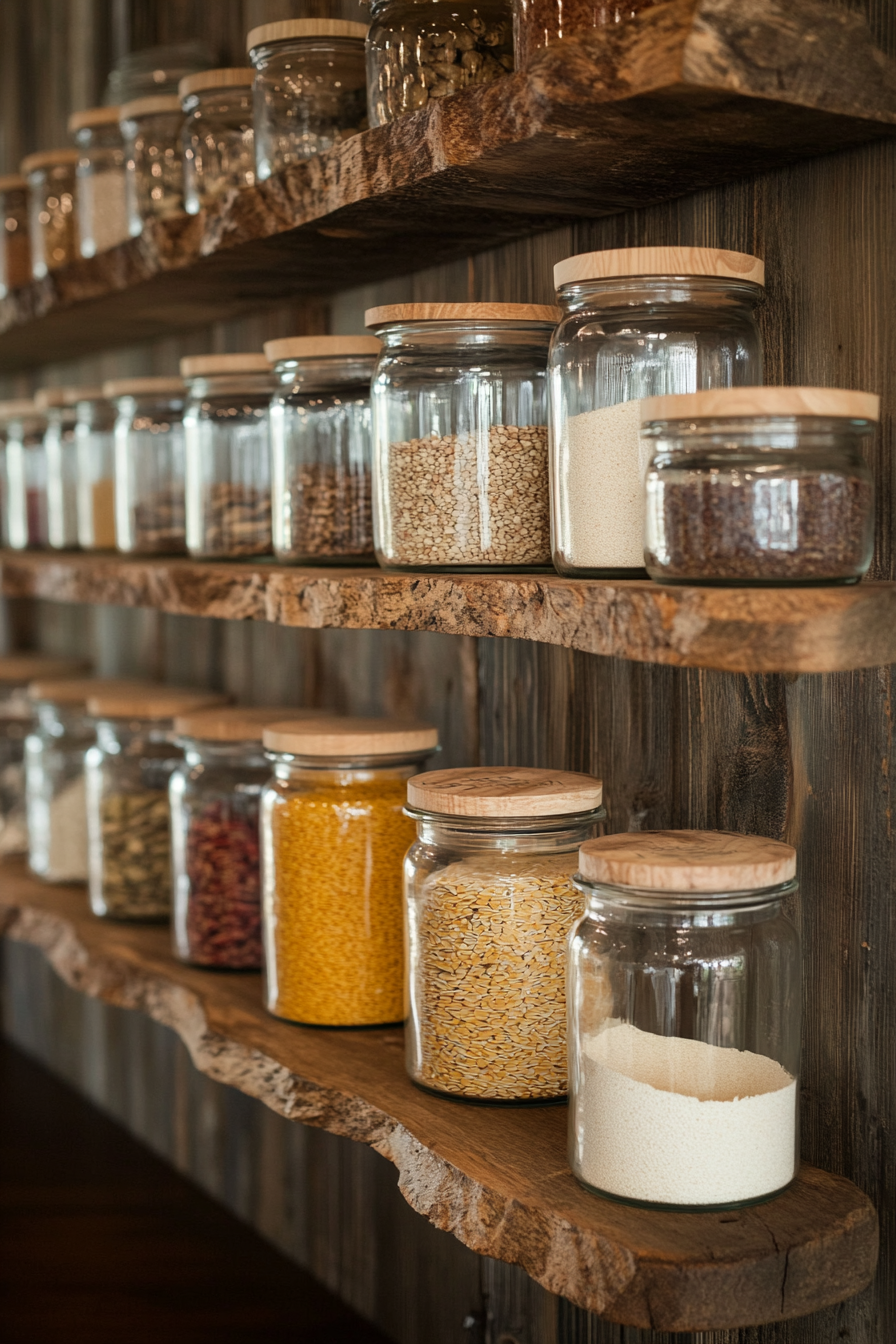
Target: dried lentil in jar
[[490, 903], [334, 835], [15, 245], [53, 216]]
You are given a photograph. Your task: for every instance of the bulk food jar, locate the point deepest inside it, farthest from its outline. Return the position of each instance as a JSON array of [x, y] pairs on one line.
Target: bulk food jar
[[228, 458], [334, 835], [637, 323], [490, 903], [310, 90], [25, 474], [416, 52], [154, 170], [52, 213], [102, 204], [684, 1019], [218, 140], [460, 435], [321, 448], [95, 445], [149, 464], [59, 404], [759, 485], [128, 770], [15, 245]]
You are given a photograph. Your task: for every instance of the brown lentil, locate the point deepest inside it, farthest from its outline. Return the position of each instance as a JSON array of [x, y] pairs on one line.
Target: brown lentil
[[236, 520], [330, 512]]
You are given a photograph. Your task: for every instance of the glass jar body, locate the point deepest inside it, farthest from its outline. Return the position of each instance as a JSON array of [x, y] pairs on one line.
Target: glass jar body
[[218, 145], [419, 50], [16, 722], [26, 486], [149, 475], [228, 466], [60, 449], [309, 95], [55, 793], [15, 245], [102, 197], [489, 907], [460, 446], [541, 23], [215, 854], [95, 445], [154, 170], [333, 841], [53, 218], [770, 500], [684, 1030], [621, 341]]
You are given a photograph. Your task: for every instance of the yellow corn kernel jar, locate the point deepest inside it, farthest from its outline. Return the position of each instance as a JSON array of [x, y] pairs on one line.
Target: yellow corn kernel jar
[[333, 840]]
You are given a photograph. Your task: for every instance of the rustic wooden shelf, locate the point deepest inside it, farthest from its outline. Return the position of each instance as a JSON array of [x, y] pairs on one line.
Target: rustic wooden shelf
[[497, 1178], [691, 94]]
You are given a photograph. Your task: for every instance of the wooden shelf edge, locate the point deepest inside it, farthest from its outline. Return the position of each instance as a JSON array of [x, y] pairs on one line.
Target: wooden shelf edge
[[496, 1178]]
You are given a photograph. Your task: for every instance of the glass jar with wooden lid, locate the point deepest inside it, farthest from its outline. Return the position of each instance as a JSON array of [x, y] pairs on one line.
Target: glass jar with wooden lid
[[95, 444], [150, 504], [52, 209], [218, 136], [102, 202], [61, 448], [154, 168], [24, 474], [490, 903], [15, 245]]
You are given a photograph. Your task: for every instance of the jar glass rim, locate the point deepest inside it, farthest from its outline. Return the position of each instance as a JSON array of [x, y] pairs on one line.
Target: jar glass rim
[[625, 284], [656, 901], [508, 825], [348, 762]]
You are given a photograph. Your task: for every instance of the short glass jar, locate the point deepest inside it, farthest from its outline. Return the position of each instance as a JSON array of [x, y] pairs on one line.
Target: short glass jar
[[25, 474], [228, 456], [489, 905], [218, 139], [684, 1020], [637, 323], [419, 50], [759, 485], [310, 89], [95, 444], [542, 23], [460, 440], [321, 449], [154, 181], [334, 835], [102, 203], [59, 404], [128, 771], [52, 212], [149, 464], [15, 245]]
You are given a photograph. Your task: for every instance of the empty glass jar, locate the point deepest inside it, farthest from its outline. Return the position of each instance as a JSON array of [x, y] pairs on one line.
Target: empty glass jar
[[638, 322], [218, 139], [52, 213], [61, 449], [684, 1020], [460, 436], [102, 205], [95, 443], [15, 246], [154, 159], [149, 464], [25, 474], [228, 459]]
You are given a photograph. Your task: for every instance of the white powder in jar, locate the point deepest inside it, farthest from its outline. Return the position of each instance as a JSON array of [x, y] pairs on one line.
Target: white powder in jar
[[103, 211], [67, 850], [672, 1121], [602, 467]]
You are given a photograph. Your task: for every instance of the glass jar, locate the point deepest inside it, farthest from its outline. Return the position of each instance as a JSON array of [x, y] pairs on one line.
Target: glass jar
[[228, 457], [541, 23], [422, 49], [218, 139], [763, 486], [489, 905], [149, 464], [684, 1020], [60, 447], [15, 246], [53, 217], [25, 474], [639, 322], [102, 204], [321, 449], [154, 169], [460, 436], [128, 771], [95, 444], [310, 89], [334, 835]]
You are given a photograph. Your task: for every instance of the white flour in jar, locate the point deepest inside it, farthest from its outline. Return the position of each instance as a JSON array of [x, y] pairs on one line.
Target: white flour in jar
[[672, 1121], [603, 464], [67, 855]]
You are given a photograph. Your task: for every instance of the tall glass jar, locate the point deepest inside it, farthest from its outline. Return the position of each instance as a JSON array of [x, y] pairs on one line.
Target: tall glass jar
[[321, 449], [154, 181], [637, 323], [542, 23], [334, 836], [489, 905], [218, 138], [430, 49], [684, 1020], [764, 485], [128, 771], [149, 464], [60, 446], [53, 216], [25, 474], [310, 90], [102, 205], [95, 444], [228, 457], [459, 398], [15, 245]]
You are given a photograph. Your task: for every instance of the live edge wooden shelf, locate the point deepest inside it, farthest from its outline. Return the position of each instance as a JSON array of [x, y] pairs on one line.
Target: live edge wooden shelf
[[690, 94], [497, 1178]]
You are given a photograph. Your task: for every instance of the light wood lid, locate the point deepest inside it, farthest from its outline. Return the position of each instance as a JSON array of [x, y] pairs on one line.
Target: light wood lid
[[78, 690], [27, 667], [153, 104], [688, 861], [19, 408], [323, 347], [241, 723], [94, 116], [47, 397], [13, 182], [461, 312], [746, 401], [139, 387], [234, 77], [621, 262], [342, 738], [504, 791], [199, 366], [49, 158], [285, 29], [142, 701]]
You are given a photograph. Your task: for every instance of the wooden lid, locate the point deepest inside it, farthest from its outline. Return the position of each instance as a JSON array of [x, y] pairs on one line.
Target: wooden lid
[[28, 667], [45, 397], [138, 387], [142, 701], [461, 312], [94, 116], [49, 158], [745, 401], [235, 77], [686, 861], [78, 690], [622, 262], [13, 182], [285, 29], [155, 103], [323, 347], [345, 737], [19, 408], [200, 366], [504, 791], [241, 723]]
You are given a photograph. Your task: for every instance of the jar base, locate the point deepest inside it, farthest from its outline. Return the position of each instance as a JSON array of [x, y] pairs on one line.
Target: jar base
[[572, 572], [683, 1208], [792, 582], [502, 1102], [466, 569], [335, 1026], [328, 561]]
